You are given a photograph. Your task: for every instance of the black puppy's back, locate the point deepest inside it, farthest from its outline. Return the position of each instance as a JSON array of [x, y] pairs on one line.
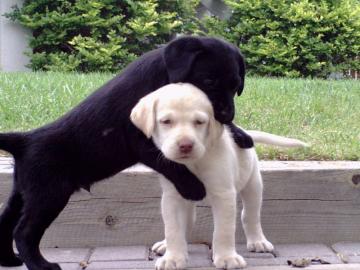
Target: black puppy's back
[[96, 138]]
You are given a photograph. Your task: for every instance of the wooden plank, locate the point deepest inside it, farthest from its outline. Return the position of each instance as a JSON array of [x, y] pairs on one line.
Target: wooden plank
[[302, 204]]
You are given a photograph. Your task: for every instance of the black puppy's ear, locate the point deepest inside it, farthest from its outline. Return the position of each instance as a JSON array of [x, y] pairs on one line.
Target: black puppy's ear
[[179, 56], [241, 63]]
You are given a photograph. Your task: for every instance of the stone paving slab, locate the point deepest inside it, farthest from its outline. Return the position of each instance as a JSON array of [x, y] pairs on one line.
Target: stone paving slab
[[312, 267], [124, 253], [199, 250], [298, 251], [242, 250], [257, 259], [282, 267], [66, 255], [64, 266], [121, 265], [303, 250], [68, 258], [348, 251], [199, 256], [139, 257], [283, 253], [263, 262]]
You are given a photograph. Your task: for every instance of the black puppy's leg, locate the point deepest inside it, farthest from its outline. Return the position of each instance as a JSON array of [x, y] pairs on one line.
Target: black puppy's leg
[[8, 220], [186, 183], [242, 139], [38, 214]]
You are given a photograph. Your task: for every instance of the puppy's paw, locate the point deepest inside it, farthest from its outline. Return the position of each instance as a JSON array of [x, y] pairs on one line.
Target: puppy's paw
[[159, 247], [53, 266], [10, 260], [260, 246], [241, 138], [171, 262], [45, 266], [192, 189], [232, 261]]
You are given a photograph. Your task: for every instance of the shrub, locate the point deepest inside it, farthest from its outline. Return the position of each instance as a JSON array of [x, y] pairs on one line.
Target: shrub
[[100, 35], [293, 38], [277, 37]]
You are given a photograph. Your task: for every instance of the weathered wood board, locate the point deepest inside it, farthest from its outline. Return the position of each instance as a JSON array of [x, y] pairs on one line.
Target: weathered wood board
[[304, 202]]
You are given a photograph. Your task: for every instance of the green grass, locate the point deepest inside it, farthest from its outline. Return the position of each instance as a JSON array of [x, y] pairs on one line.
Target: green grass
[[29, 100], [325, 114]]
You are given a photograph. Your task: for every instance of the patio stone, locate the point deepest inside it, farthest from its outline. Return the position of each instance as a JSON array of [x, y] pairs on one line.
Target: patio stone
[[123, 253], [348, 251]]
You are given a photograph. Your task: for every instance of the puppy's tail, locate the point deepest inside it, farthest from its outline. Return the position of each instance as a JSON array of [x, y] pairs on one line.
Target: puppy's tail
[[268, 138], [14, 143]]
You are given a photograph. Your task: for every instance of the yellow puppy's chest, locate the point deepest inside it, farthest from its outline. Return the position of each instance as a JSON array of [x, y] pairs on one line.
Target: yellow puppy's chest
[[225, 166], [218, 169]]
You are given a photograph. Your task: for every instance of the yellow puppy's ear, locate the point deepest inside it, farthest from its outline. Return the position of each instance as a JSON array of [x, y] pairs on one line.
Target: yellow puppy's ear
[[216, 129], [143, 114]]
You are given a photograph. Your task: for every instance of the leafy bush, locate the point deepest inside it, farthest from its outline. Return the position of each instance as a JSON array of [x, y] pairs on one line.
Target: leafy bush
[[278, 37], [100, 35], [293, 38]]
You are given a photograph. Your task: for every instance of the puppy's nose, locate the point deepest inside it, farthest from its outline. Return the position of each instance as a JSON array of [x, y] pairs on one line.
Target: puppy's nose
[[185, 146]]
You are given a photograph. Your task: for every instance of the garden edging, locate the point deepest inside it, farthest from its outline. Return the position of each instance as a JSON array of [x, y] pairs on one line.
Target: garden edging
[[304, 202]]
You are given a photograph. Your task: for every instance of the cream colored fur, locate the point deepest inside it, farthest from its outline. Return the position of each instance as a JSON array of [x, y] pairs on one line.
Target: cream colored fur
[[178, 112]]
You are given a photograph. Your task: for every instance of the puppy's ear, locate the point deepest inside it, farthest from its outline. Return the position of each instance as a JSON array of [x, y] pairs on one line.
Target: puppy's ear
[[143, 114], [179, 57], [215, 130], [242, 68]]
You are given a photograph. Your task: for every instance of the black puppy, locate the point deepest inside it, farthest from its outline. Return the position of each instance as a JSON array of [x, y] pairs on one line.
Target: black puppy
[[96, 140]]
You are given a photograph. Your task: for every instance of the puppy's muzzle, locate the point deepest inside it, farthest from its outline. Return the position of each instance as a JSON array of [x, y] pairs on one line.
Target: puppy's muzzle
[[185, 146]]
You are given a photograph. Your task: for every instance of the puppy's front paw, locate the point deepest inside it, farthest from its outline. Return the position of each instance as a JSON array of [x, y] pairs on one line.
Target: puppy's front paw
[[159, 247], [171, 262], [10, 260], [260, 246], [192, 189], [241, 138], [229, 261]]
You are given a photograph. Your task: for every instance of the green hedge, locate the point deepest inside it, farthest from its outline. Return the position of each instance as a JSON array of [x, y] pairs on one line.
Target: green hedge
[[100, 35], [293, 38], [278, 37]]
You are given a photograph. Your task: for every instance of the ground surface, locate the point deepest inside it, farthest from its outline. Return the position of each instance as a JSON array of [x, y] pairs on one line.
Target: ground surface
[[344, 255]]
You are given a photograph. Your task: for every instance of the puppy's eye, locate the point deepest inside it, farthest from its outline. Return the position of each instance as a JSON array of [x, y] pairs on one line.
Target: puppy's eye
[[165, 122], [199, 122]]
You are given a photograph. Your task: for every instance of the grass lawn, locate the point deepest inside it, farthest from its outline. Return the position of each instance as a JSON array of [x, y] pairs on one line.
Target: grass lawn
[[325, 114]]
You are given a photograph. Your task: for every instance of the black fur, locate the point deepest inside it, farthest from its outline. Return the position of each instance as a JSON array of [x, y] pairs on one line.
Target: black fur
[[96, 140]]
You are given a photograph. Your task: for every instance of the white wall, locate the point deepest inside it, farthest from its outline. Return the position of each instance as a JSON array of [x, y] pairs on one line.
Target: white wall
[[13, 40]]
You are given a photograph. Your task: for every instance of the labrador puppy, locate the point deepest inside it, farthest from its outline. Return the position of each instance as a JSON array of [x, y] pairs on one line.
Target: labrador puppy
[[181, 122], [96, 140]]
